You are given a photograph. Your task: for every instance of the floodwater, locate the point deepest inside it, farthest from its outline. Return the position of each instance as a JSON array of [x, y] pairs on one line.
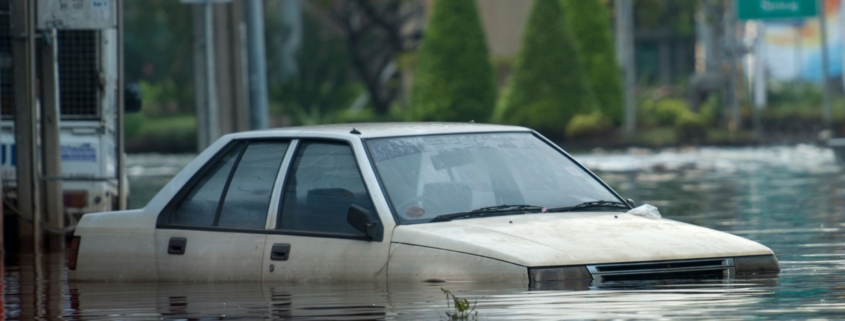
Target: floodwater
[[791, 199]]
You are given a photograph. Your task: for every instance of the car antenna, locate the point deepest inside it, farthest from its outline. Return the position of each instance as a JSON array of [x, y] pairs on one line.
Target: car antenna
[[355, 131]]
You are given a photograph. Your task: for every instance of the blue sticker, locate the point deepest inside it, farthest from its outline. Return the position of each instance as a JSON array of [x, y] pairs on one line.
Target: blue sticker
[[80, 153]]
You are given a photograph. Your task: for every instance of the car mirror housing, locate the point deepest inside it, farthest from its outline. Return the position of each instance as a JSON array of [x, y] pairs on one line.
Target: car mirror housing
[[631, 202], [366, 222]]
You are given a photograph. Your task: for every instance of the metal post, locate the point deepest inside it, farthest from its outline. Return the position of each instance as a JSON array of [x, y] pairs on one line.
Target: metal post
[[760, 79], [257, 64], [625, 34], [210, 76], [122, 188], [730, 35], [23, 54], [50, 148], [825, 71]]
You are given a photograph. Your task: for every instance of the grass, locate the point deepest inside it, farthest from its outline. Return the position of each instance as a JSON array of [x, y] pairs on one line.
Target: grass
[[462, 310]]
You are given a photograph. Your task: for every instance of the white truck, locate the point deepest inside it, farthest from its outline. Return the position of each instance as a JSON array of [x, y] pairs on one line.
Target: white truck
[[88, 133]]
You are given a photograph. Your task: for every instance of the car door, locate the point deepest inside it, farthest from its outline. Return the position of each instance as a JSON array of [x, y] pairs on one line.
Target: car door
[[214, 228], [312, 240]]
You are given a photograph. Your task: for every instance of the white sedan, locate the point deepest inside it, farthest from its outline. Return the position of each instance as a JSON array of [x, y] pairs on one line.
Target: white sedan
[[402, 202]]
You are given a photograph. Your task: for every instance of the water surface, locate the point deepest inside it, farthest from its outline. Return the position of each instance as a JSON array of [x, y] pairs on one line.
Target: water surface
[[791, 199]]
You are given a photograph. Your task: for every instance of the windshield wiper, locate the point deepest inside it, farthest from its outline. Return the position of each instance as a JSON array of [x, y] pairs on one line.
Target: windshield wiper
[[484, 211], [594, 204]]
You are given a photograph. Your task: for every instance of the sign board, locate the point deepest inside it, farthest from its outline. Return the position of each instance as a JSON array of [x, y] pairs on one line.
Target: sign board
[[77, 14], [775, 9]]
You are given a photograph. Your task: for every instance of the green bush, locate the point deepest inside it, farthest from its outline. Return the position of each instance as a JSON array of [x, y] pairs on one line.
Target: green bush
[[591, 124], [548, 85], [453, 80], [691, 128], [663, 112], [589, 21]]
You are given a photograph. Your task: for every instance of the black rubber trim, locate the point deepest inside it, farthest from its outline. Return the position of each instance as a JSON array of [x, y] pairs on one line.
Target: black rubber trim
[[265, 232]]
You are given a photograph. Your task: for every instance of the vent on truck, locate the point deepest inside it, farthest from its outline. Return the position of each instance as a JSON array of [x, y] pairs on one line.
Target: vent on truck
[[682, 269], [79, 75]]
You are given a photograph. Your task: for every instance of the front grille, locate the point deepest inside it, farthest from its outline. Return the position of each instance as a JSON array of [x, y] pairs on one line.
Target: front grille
[[682, 269]]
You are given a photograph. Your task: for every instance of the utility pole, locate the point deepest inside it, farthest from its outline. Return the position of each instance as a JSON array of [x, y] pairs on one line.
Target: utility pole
[[50, 149], [208, 124], [730, 37], [825, 65], [23, 54], [257, 64], [625, 55]]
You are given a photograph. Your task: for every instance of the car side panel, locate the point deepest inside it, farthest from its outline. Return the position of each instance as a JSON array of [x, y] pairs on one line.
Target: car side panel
[[411, 263], [116, 246], [210, 256]]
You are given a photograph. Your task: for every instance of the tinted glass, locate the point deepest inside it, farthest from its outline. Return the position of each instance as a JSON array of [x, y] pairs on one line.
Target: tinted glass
[[200, 206], [323, 183], [248, 196], [427, 176]]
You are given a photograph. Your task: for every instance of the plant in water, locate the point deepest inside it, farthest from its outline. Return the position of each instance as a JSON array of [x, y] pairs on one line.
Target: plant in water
[[462, 310]]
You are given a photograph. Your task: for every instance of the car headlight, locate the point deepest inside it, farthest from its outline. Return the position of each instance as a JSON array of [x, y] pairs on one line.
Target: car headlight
[[758, 264], [557, 274]]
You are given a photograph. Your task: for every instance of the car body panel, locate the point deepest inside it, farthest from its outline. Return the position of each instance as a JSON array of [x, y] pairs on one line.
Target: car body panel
[[311, 257], [555, 239], [412, 263], [210, 256], [116, 246]]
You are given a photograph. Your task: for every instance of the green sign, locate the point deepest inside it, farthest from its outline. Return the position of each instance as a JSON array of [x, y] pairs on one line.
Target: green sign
[[775, 9]]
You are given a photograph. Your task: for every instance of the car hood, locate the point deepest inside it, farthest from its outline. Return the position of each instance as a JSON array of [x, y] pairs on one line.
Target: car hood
[[576, 238]]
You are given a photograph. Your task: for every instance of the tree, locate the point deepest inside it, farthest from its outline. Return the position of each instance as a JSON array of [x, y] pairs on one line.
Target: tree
[[376, 32], [548, 85], [589, 22], [323, 85], [453, 80]]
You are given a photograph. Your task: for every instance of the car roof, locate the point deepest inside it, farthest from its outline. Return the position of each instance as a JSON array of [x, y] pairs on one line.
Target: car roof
[[373, 130]]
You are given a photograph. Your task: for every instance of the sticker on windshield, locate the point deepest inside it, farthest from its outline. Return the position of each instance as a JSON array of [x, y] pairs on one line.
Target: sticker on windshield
[[415, 212]]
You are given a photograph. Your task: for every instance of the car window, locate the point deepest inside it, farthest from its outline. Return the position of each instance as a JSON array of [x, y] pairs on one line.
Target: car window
[[200, 206], [324, 181], [248, 194], [235, 192]]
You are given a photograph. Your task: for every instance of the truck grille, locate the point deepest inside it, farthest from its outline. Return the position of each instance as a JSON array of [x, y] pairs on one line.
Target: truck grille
[[682, 269]]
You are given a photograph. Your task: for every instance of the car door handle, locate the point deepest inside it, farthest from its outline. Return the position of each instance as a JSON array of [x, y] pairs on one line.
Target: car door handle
[[177, 245], [280, 252]]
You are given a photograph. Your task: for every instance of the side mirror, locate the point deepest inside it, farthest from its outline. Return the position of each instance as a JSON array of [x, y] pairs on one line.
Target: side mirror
[[132, 98], [366, 222], [631, 202]]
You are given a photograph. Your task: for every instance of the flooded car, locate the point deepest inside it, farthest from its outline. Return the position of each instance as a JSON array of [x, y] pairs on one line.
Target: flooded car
[[401, 202]]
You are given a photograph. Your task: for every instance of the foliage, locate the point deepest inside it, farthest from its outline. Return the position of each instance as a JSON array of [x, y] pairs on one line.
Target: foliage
[[462, 310], [548, 85], [157, 48], [662, 112], [376, 33], [453, 80], [591, 124], [323, 85], [691, 128], [590, 24], [677, 16], [144, 134]]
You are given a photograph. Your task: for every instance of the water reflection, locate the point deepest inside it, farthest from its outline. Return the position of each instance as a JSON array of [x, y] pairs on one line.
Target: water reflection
[[790, 199]]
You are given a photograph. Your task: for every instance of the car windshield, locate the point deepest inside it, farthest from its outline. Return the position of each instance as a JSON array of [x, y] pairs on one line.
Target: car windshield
[[430, 176]]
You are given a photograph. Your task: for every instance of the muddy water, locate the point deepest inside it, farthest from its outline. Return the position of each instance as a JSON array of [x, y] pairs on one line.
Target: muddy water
[[791, 199]]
